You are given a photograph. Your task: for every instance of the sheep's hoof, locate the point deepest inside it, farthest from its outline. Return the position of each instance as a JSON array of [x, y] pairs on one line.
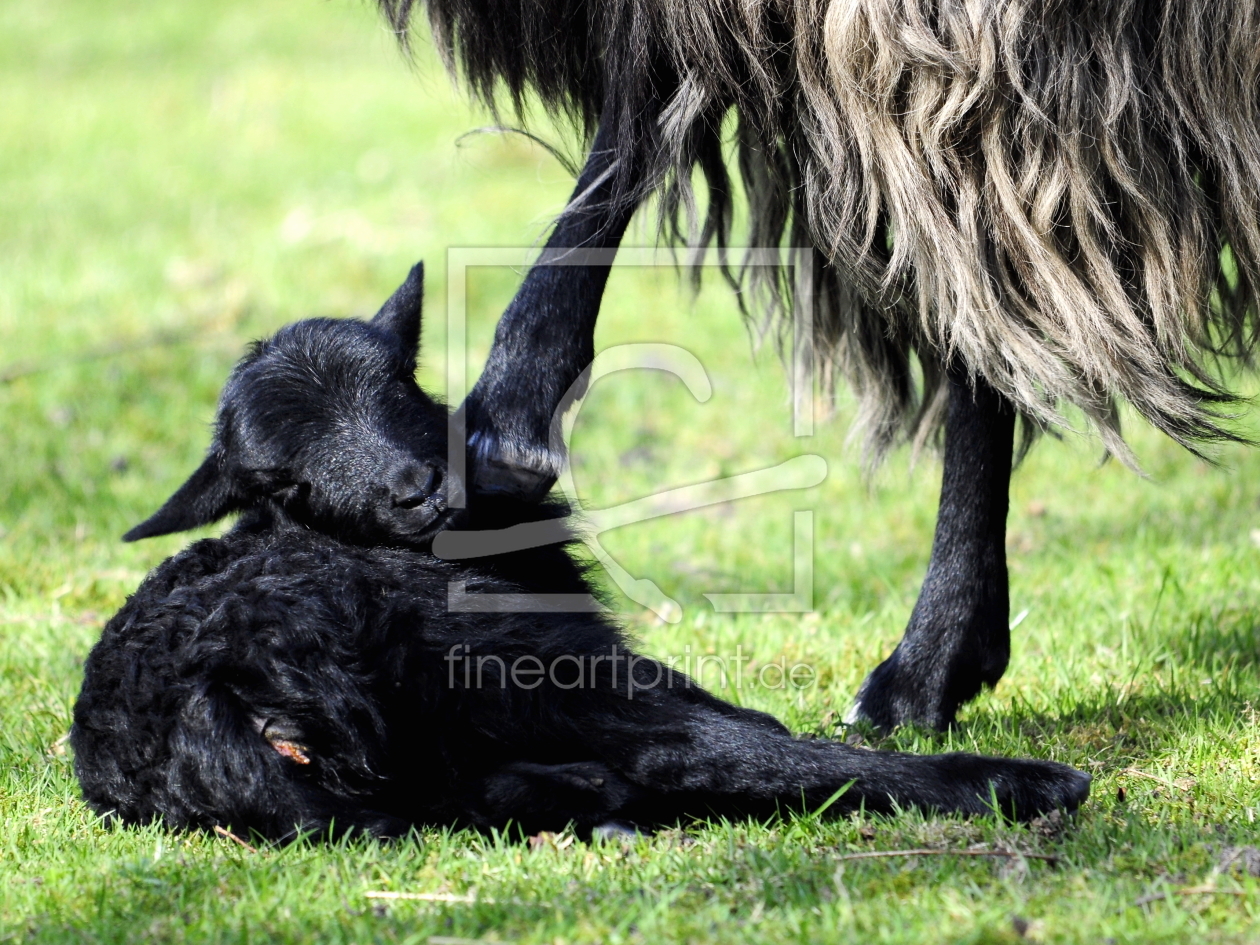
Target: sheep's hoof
[[491, 477], [937, 667], [500, 467], [895, 694]]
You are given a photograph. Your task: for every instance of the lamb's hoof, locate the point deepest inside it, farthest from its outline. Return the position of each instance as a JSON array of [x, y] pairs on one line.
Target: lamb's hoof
[[1043, 787], [1077, 792], [526, 474], [1020, 789], [614, 831]]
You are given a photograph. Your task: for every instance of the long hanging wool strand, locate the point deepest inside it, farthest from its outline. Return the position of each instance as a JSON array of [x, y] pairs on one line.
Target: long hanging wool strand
[[1061, 195]]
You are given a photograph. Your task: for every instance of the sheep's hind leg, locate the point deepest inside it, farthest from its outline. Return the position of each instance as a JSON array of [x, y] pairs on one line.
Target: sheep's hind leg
[[958, 639]]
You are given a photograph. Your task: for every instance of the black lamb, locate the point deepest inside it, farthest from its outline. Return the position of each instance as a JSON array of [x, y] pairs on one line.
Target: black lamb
[[306, 671]]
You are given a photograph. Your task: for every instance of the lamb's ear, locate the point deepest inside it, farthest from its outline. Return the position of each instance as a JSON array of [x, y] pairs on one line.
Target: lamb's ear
[[401, 314], [207, 496]]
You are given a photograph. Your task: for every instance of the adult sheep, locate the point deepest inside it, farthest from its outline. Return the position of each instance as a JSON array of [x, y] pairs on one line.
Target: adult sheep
[[1010, 206]]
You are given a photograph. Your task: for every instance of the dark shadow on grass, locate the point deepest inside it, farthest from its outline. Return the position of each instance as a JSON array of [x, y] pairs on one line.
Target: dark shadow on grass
[[1219, 638], [1106, 728], [1113, 728]]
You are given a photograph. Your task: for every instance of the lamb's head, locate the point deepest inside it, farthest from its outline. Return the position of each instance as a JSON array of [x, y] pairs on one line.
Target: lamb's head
[[324, 423]]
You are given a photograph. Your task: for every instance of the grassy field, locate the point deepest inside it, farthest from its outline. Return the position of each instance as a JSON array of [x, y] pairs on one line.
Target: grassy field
[[179, 178]]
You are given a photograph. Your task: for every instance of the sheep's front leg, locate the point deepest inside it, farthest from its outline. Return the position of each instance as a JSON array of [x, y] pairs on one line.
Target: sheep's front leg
[[545, 338], [958, 639]]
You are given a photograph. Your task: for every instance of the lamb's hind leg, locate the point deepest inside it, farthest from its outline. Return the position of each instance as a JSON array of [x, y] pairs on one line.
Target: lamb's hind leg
[[958, 639], [721, 763]]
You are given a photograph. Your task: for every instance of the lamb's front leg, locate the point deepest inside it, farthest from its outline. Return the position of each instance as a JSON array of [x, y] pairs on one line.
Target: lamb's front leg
[[958, 639], [545, 338]]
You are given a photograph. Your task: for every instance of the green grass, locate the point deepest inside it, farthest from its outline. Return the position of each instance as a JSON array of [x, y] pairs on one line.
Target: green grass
[[178, 178]]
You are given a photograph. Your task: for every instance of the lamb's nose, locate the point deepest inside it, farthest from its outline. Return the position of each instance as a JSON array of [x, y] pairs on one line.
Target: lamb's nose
[[412, 485]]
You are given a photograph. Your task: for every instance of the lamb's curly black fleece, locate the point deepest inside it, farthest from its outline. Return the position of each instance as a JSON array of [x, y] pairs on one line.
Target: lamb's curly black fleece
[[304, 672]]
